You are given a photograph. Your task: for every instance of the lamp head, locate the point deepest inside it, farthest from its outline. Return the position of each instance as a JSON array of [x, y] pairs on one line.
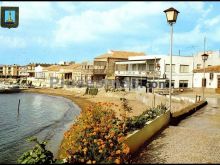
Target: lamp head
[[171, 15], [205, 57]]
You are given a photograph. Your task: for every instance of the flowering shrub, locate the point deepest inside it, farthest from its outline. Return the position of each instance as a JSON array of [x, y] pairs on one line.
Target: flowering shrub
[[138, 122], [97, 137]]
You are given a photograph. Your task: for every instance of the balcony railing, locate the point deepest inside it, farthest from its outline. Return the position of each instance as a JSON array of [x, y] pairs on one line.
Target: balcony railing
[[137, 73]]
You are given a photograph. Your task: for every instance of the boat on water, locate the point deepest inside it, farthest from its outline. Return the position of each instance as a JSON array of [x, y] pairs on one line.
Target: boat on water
[[9, 89]]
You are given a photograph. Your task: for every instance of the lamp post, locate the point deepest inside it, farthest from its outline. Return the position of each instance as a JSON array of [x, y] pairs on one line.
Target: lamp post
[[158, 70], [171, 15], [204, 58], [153, 81]]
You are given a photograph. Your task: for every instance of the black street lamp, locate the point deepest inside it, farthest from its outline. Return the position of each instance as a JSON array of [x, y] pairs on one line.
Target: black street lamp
[[171, 15], [204, 58]]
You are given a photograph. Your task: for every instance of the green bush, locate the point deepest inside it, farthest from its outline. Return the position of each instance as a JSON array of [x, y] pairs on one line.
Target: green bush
[[38, 155], [91, 91], [138, 122]]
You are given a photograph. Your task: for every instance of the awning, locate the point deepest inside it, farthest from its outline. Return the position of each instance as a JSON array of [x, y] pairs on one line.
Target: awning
[[130, 62]]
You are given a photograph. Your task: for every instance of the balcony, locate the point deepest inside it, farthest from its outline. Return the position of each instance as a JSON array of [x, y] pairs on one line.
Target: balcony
[[137, 73], [99, 71]]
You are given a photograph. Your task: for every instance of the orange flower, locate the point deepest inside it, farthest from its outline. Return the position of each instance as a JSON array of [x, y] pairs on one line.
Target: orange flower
[[120, 139], [85, 149], [103, 146], [126, 150], [111, 145], [117, 161], [89, 162], [118, 151]]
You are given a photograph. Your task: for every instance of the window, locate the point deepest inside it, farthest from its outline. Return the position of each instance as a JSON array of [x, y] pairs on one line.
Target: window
[[151, 67], [172, 83], [134, 67], [167, 69], [184, 68], [211, 76], [198, 66], [141, 67], [209, 65], [183, 83]]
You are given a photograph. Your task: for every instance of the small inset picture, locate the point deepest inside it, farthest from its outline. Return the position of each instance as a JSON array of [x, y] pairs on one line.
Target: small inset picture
[[9, 16]]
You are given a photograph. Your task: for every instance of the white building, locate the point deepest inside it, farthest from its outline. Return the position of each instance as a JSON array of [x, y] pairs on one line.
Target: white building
[[212, 71], [212, 78], [140, 69], [39, 74]]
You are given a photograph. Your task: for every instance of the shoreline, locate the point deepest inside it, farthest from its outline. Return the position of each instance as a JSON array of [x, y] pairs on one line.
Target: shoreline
[[82, 103], [139, 102]]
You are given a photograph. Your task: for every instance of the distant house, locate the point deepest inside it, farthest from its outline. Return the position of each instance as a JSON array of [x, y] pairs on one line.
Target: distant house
[[22, 71], [52, 71], [70, 72], [39, 74], [31, 70], [104, 65], [212, 76], [10, 71], [1, 70], [86, 71]]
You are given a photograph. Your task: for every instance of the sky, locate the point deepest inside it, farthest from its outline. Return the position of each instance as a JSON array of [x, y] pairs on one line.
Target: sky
[[50, 32]]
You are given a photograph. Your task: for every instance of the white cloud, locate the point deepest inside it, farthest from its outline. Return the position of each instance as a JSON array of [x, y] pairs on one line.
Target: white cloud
[[12, 42], [131, 17], [91, 24]]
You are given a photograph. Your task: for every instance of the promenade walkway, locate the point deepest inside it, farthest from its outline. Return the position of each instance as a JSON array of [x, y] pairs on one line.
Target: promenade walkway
[[195, 139]]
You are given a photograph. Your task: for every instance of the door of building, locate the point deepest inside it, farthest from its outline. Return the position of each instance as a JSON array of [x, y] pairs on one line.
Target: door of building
[[218, 81]]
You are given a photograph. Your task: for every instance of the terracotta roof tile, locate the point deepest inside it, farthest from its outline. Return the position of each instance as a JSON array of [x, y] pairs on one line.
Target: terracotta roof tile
[[120, 54], [215, 69]]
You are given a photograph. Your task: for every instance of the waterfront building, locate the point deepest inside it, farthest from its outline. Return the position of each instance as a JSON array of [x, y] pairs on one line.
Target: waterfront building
[[22, 71], [10, 71], [1, 71], [38, 70], [86, 71], [104, 65], [212, 76], [138, 70]]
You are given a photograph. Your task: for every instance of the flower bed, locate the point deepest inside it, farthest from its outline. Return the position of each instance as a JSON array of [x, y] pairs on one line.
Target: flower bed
[[98, 136], [138, 137]]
